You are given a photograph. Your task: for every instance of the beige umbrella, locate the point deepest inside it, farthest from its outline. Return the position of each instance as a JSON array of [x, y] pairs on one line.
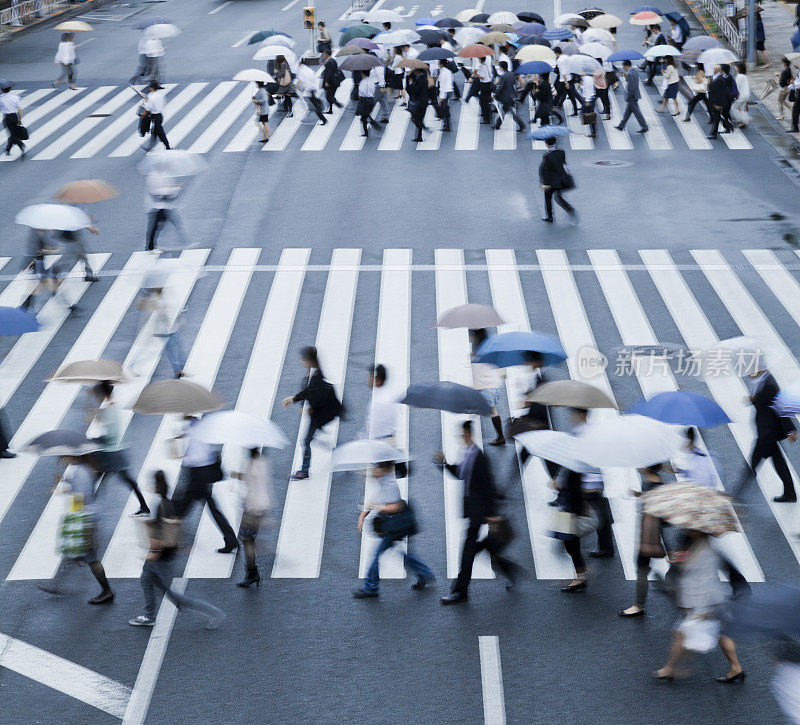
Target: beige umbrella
[[503, 28], [570, 394], [413, 63], [74, 26], [605, 21], [176, 396], [90, 372], [349, 50], [466, 15], [492, 38], [535, 52], [86, 191], [471, 316], [689, 505]]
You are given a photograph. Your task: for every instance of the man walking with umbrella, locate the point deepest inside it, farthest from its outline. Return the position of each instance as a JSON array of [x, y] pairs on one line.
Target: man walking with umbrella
[[154, 103], [11, 108], [366, 102], [555, 179], [505, 94], [632, 95]]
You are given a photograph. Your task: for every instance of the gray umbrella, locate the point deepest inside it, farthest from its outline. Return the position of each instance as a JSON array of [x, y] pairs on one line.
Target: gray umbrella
[[360, 62], [771, 612], [62, 443], [471, 316], [444, 395]]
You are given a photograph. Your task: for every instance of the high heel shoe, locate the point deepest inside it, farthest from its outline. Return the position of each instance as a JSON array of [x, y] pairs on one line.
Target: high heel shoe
[[663, 678], [574, 587], [253, 577], [725, 680]]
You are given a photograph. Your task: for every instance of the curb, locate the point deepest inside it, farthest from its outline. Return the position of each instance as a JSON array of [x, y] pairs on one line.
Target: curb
[[65, 14]]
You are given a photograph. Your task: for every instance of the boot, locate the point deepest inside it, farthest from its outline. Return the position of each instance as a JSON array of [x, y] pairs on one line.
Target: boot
[[498, 426], [252, 578]]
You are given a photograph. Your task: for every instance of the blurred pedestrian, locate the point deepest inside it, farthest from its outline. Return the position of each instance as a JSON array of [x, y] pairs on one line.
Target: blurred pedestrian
[[696, 464], [40, 245], [306, 85], [699, 86], [632, 95], [574, 520], [388, 505], [671, 85], [555, 179], [154, 103], [261, 103], [75, 252], [761, 39], [332, 78], [505, 94], [721, 94], [446, 86], [162, 190], [67, 58], [589, 96], [11, 108], [163, 534], [323, 405], [258, 502], [739, 112], [794, 98], [418, 101], [378, 76], [784, 82], [324, 42], [285, 78], [384, 409], [141, 67], [366, 102], [166, 325], [5, 436], [488, 379]]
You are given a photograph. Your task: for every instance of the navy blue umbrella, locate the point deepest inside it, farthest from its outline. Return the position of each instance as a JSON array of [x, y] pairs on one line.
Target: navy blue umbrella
[[444, 395], [530, 28], [530, 17], [795, 41], [646, 9], [681, 407], [621, 55], [431, 37], [534, 67], [449, 23], [515, 348], [544, 132], [16, 321], [533, 40], [480, 18], [264, 34], [436, 54]]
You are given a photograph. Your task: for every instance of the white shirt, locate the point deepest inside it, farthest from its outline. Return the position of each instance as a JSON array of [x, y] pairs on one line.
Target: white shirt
[[257, 480], [9, 103], [563, 65], [587, 88], [498, 58], [445, 81], [141, 46], [366, 87], [743, 86], [676, 34], [698, 467], [385, 491], [154, 48], [197, 452], [65, 53], [378, 76], [155, 102], [485, 71], [383, 412], [306, 81], [162, 190], [670, 74]]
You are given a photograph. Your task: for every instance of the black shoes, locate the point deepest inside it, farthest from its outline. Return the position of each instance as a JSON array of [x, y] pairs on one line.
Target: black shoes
[[785, 499], [499, 441], [103, 598], [253, 578], [625, 613], [574, 587], [421, 584], [602, 554], [619, 128], [7, 454], [143, 511], [547, 219], [416, 139], [454, 598], [725, 680], [361, 594], [228, 548], [643, 130]]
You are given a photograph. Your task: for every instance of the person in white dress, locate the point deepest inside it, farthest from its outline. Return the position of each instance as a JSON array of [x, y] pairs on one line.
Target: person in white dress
[[67, 58], [739, 112]]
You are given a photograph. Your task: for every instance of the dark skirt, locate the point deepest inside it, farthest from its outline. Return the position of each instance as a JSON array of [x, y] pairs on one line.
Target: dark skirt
[[263, 117], [394, 80], [672, 90]]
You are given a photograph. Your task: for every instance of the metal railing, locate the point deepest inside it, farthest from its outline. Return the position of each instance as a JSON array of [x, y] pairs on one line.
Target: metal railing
[[28, 10], [361, 5], [728, 27]]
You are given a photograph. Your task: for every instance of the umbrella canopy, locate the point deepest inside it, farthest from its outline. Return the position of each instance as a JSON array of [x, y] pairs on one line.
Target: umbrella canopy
[[364, 43], [16, 321], [475, 51], [534, 40], [595, 50], [544, 132], [444, 395], [568, 19], [53, 216], [397, 37], [235, 428], [568, 47], [365, 453], [582, 64], [530, 28], [598, 35], [176, 396], [349, 50], [61, 442], [494, 38], [270, 52], [90, 372], [468, 36], [253, 74], [425, 21], [773, 611], [504, 28], [86, 191], [262, 35], [741, 12], [661, 51], [464, 16], [471, 316], [621, 55], [681, 407], [605, 21], [570, 394], [735, 356], [479, 18], [787, 402], [448, 23], [431, 37], [645, 17], [152, 20], [413, 63], [628, 441], [691, 506], [283, 40], [502, 17], [514, 348], [557, 34], [589, 13], [176, 162], [162, 30], [383, 16], [701, 42], [555, 446], [360, 62], [436, 54], [538, 67], [716, 56], [358, 31], [646, 9], [530, 17], [535, 52], [74, 26]]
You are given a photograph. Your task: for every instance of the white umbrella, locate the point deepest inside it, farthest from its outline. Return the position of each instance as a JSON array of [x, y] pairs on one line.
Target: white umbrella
[[581, 64], [279, 40], [468, 36], [503, 17], [598, 35], [176, 162], [555, 446], [716, 56], [356, 15], [270, 52], [464, 16], [567, 18], [53, 216], [736, 354], [364, 453], [162, 30], [253, 74], [383, 16], [606, 20], [396, 37], [235, 428], [595, 50], [157, 276], [627, 441], [661, 51]]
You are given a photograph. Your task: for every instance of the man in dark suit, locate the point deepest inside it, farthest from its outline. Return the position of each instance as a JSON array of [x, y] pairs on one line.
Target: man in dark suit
[[632, 95], [770, 430], [720, 98], [653, 65], [418, 100], [505, 93], [555, 179], [480, 506], [331, 80]]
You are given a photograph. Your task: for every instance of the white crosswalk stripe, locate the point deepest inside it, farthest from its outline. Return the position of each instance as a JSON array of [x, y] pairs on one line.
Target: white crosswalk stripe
[[304, 518]]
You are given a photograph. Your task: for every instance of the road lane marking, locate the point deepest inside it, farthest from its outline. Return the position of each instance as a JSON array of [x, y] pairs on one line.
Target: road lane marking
[[289, 5], [494, 706], [218, 8], [239, 43]]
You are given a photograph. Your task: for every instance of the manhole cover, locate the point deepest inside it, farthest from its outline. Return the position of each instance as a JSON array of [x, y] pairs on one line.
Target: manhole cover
[[612, 162]]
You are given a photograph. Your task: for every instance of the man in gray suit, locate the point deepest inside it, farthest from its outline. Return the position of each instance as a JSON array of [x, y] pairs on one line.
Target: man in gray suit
[[632, 95], [505, 95]]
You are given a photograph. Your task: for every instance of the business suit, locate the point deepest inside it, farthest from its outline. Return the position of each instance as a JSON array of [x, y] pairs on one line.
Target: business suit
[[770, 430], [418, 101], [480, 502], [554, 176], [505, 93], [632, 95], [720, 98], [330, 72], [313, 392]]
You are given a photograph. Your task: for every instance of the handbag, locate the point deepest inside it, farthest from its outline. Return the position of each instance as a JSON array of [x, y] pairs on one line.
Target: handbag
[[21, 133], [588, 118], [285, 79], [500, 530], [398, 525], [569, 526], [792, 97]]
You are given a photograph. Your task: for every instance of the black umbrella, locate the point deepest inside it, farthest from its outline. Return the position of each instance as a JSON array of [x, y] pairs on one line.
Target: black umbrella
[[153, 20], [480, 18], [61, 442], [449, 23], [436, 54], [589, 13], [534, 40], [444, 395], [531, 17], [771, 612], [432, 37], [360, 62]]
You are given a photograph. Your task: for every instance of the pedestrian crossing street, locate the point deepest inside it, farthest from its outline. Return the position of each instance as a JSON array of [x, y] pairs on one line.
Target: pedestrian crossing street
[[587, 301], [206, 116]]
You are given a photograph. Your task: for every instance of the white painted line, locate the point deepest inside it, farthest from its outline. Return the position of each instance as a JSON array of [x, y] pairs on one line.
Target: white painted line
[[494, 702], [692, 133], [39, 558], [578, 138], [245, 136], [223, 121], [256, 396], [302, 533], [85, 42], [199, 112], [617, 140], [656, 137], [736, 140], [145, 685], [59, 674], [635, 329], [134, 141], [394, 132], [31, 117], [124, 122], [505, 139], [454, 358], [469, 125], [289, 5], [320, 135], [434, 138], [239, 43], [282, 135], [549, 557], [123, 559], [353, 140], [219, 7], [392, 349], [28, 101], [728, 391]]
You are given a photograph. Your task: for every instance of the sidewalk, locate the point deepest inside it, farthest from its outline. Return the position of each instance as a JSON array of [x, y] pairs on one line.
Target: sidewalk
[[9, 32]]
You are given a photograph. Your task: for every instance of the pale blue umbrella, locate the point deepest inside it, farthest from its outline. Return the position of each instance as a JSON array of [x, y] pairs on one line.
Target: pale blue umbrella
[[545, 132]]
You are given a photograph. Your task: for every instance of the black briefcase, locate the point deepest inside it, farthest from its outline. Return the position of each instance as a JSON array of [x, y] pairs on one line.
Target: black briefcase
[[21, 133], [588, 118]]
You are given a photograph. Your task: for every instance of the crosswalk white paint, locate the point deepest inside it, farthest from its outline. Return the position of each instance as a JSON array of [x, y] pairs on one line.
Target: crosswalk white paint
[[692, 132], [617, 139], [494, 706], [179, 131], [320, 135], [469, 125], [353, 140], [656, 137], [394, 132], [431, 139], [290, 125], [222, 122], [302, 533]]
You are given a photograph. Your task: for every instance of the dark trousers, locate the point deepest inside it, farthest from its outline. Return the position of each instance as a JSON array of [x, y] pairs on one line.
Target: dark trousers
[[722, 114], [157, 130], [418, 118], [632, 108], [155, 220], [316, 104], [193, 485], [485, 100], [560, 200], [652, 69], [474, 90], [511, 108], [11, 122], [588, 107], [365, 106], [573, 548], [310, 433], [602, 94], [575, 97], [762, 450], [330, 97], [605, 534], [795, 114], [5, 437], [471, 549], [695, 99]]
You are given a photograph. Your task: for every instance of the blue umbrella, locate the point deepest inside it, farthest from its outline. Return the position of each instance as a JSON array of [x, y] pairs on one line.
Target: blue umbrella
[[545, 132], [534, 67], [621, 55], [16, 321], [448, 23], [514, 348], [530, 28], [680, 407], [646, 9], [444, 395], [795, 40], [264, 34], [480, 18], [425, 21], [534, 40], [431, 37], [436, 54], [557, 34]]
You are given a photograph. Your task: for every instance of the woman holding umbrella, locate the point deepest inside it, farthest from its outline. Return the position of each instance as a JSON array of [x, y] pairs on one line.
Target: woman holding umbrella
[[488, 379], [67, 58], [283, 74], [258, 501]]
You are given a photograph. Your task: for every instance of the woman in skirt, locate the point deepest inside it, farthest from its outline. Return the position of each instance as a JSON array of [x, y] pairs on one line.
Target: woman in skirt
[[672, 81], [258, 499], [261, 102]]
